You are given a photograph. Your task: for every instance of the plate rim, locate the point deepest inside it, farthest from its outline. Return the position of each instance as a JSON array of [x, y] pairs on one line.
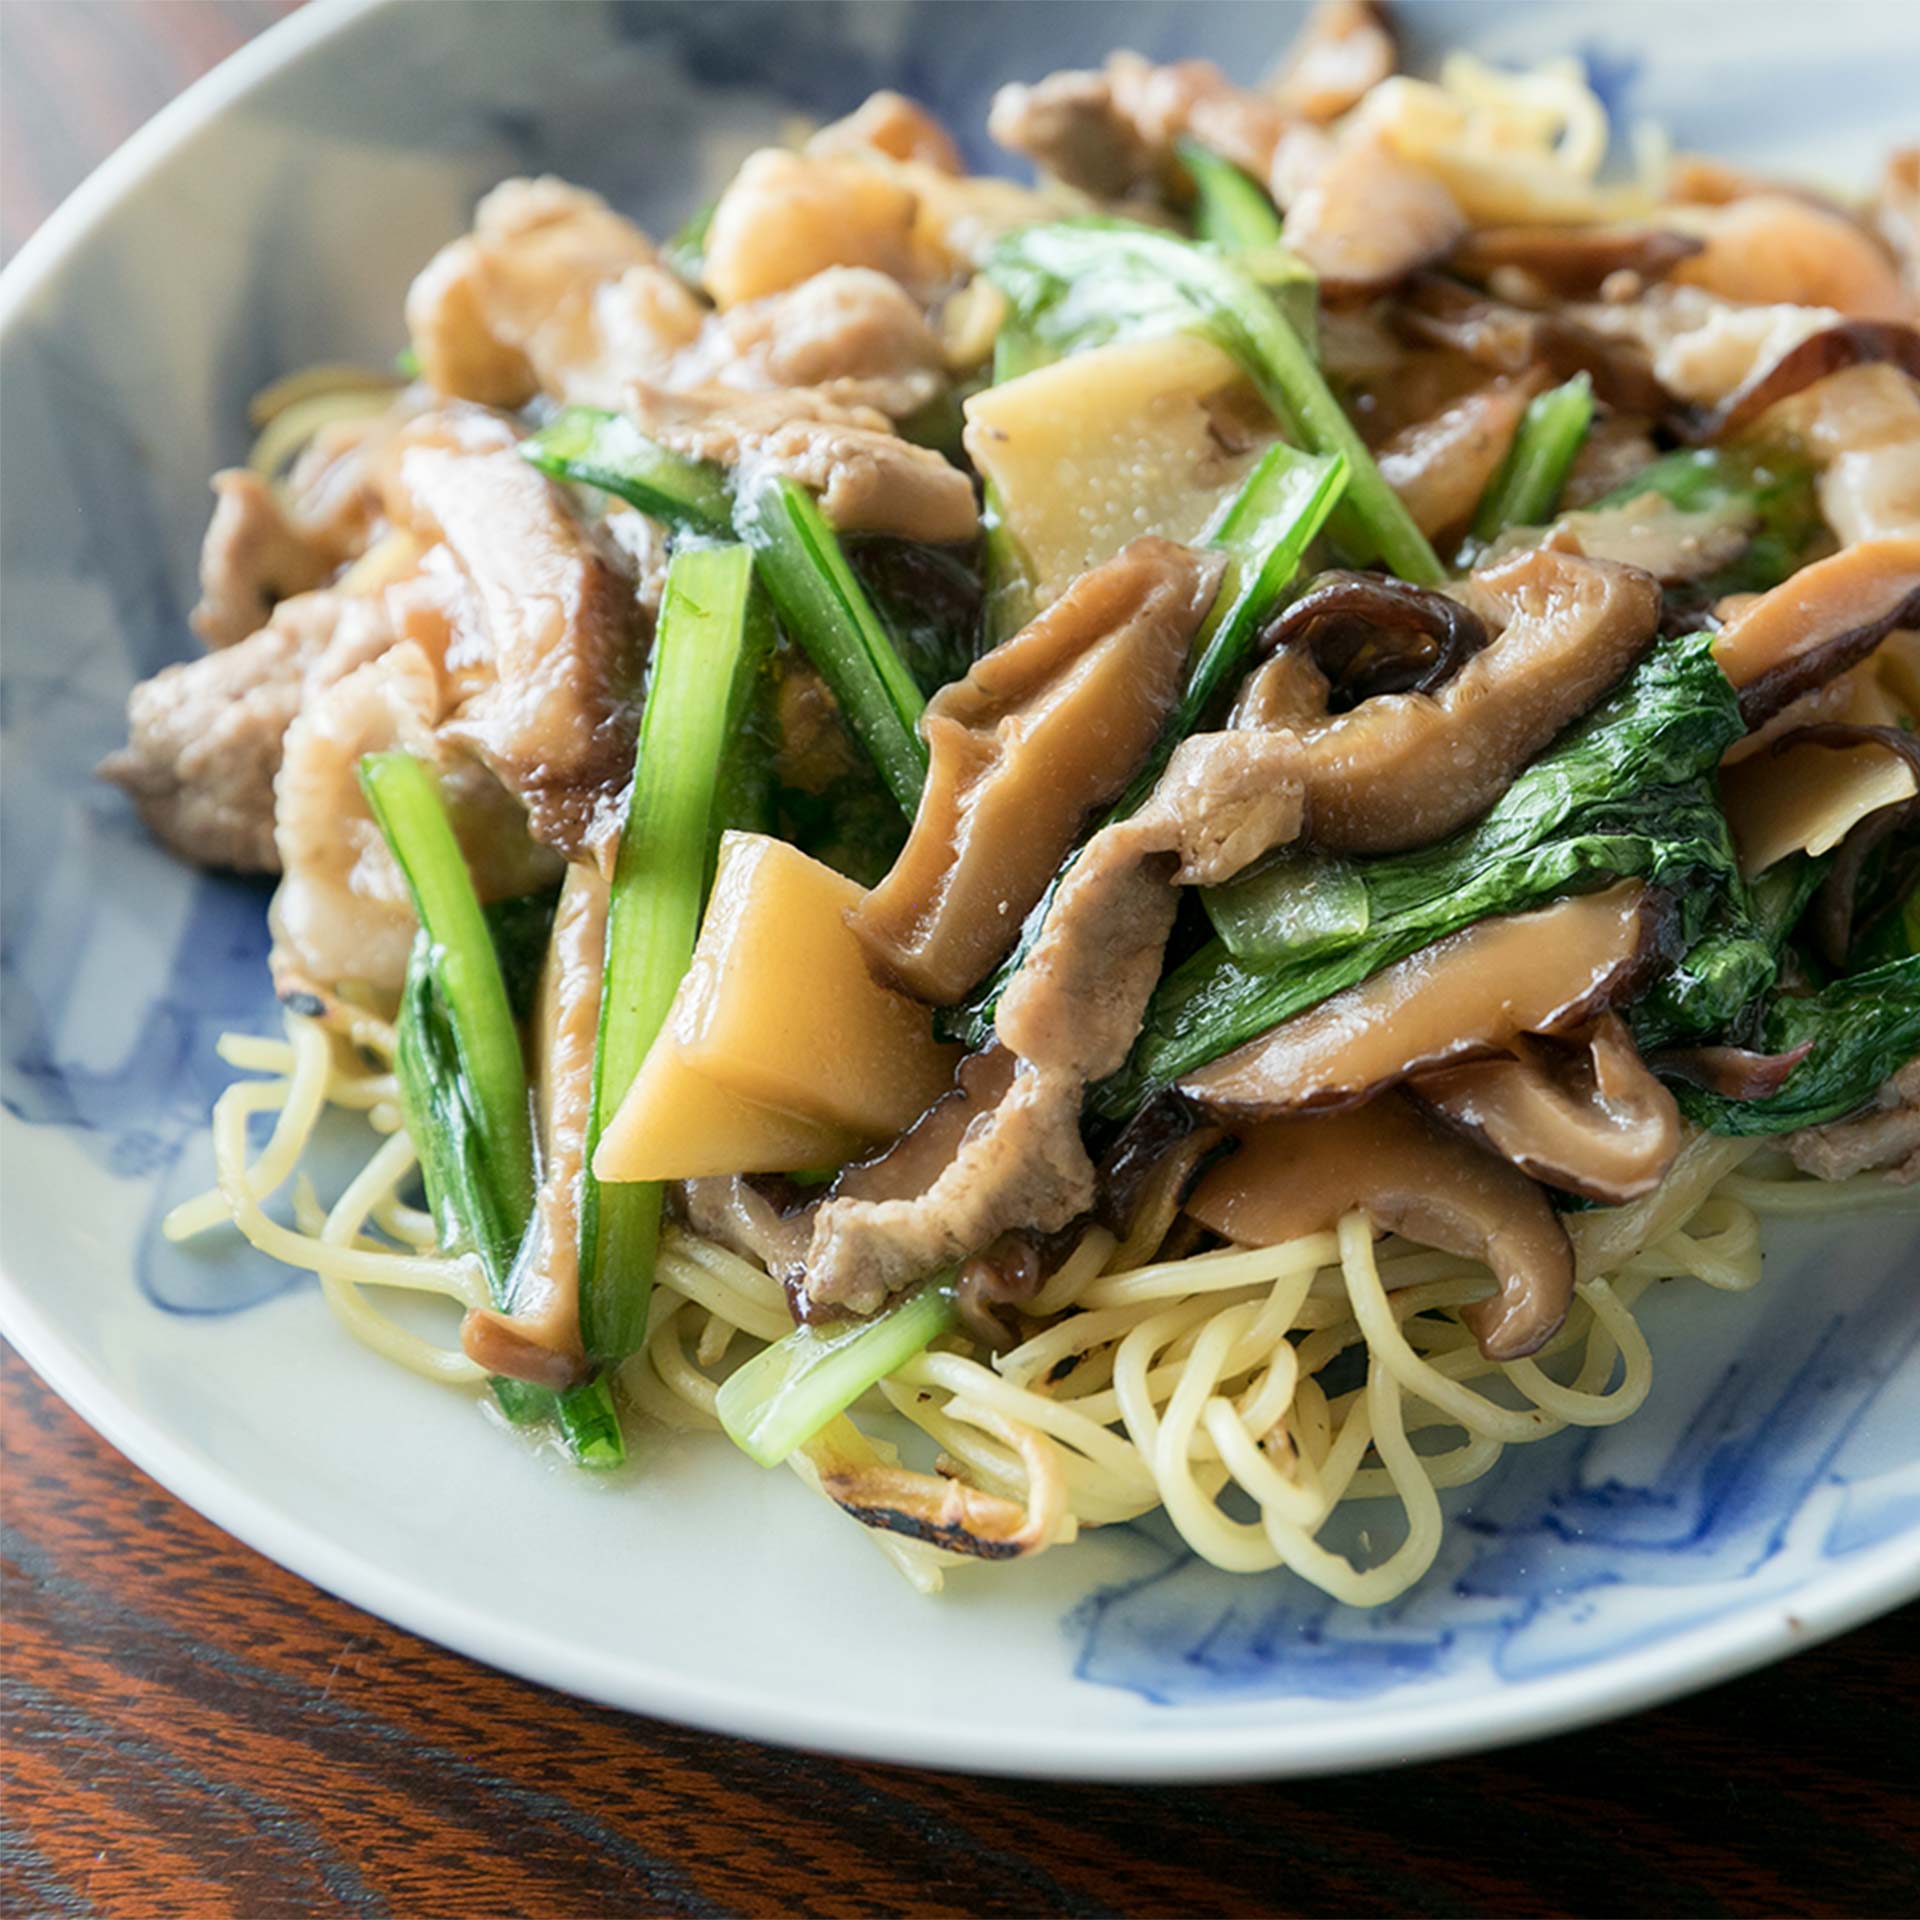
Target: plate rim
[[1746, 1637]]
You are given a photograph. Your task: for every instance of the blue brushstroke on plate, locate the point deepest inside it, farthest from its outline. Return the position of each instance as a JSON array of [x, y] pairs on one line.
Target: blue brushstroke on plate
[[118, 971]]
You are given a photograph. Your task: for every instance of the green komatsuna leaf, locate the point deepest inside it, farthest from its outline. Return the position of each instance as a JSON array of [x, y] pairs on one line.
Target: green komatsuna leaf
[[1860, 1030]]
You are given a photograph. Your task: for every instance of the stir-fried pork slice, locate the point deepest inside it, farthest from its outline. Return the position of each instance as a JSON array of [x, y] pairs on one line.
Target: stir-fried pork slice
[[854, 336], [1702, 348], [1016, 1162], [1441, 466], [1345, 48], [342, 921], [1848, 391], [1364, 218], [542, 634], [1299, 1175], [868, 479], [254, 556], [1112, 132], [1816, 625], [1811, 364], [1887, 1136], [1047, 727], [1674, 544], [540, 1339], [550, 291], [888, 122], [785, 217], [1766, 249], [204, 736]]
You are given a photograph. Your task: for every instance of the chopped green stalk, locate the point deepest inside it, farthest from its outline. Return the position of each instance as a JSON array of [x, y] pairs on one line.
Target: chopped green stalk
[[782, 1397], [590, 1424], [606, 450], [463, 1083], [1264, 532], [1080, 283], [825, 610], [686, 252], [471, 994], [406, 363], [1296, 903], [1293, 285], [1230, 211], [1526, 489], [587, 1421], [702, 648], [1009, 604]]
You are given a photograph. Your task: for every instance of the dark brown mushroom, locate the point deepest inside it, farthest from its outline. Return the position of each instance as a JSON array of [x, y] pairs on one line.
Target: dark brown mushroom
[[1503, 338], [1440, 466], [1044, 729], [1583, 1114], [1819, 623], [1365, 219], [1403, 770], [1852, 343], [1572, 263], [1006, 1274], [1413, 1176], [1734, 1073], [1471, 994], [1368, 634], [1164, 1131], [760, 1217]]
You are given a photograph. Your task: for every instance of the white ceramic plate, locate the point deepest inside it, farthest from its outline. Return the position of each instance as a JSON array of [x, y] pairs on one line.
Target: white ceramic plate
[[1767, 1495]]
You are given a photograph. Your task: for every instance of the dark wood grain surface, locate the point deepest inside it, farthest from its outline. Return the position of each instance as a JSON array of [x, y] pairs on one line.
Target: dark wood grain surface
[[189, 1730]]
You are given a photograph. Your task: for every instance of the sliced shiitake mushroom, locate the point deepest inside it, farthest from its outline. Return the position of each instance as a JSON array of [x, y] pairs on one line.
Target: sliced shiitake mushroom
[[1572, 263], [1043, 730], [1440, 466], [1852, 343], [1582, 1113], [1734, 1073], [1819, 623], [1503, 338], [1471, 994], [1413, 1176], [1369, 634], [1364, 219], [1405, 769]]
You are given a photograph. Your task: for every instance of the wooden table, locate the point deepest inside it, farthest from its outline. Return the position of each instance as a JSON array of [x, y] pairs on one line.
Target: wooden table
[[191, 1731]]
